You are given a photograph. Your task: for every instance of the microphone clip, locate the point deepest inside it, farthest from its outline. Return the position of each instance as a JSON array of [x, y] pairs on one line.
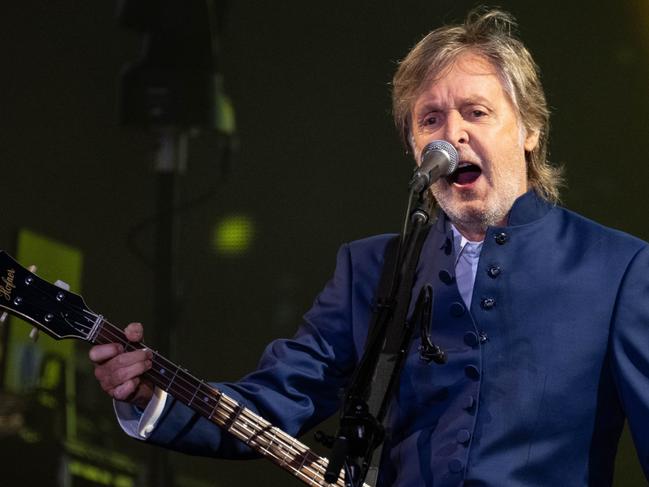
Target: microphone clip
[[428, 351]]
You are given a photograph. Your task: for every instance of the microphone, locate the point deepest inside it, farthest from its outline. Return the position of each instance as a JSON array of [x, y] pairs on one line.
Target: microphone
[[438, 159]]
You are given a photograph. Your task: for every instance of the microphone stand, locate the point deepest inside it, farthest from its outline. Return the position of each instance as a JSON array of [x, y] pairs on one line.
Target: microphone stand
[[361, 429]]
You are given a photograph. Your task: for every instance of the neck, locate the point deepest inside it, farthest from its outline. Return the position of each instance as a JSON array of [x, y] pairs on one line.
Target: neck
[[471, 234]]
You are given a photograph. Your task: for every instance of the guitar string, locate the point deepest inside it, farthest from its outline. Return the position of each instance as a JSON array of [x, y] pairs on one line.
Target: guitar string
[[257, 424], [119, 337], [292, 445], [317, 463], [241, 431]]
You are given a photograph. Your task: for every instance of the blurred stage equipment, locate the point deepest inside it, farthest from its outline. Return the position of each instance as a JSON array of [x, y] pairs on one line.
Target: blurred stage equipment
[[174, 89]]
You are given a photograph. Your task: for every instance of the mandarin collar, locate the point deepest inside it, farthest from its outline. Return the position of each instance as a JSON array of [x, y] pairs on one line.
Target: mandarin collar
[[527, 208]]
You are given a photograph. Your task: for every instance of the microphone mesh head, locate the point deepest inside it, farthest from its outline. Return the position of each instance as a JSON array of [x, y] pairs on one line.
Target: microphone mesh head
[[446, 147]]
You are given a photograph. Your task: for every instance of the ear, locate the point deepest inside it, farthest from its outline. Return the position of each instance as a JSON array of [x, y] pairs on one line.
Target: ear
[[531, 140], [412, 147]]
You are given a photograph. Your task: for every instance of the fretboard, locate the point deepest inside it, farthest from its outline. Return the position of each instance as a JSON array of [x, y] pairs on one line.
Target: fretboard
[[261, 436]]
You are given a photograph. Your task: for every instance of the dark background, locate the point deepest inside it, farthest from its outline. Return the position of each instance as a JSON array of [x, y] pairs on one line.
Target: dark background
[[319, 162]]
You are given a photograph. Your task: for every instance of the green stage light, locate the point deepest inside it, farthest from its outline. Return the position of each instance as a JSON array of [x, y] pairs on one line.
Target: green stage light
[[233, 235]]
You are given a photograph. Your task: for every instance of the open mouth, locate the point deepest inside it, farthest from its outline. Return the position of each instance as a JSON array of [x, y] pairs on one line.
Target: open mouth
[[466, 173]]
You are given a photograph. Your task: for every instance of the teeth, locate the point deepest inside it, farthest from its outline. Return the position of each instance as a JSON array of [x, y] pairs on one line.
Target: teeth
[[464, 164]]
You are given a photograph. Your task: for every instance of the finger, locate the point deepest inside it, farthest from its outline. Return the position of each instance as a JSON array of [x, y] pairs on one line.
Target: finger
[[117, 372], [113, 354], [129, 358], [125, 390], [134, 332], [101, 353]]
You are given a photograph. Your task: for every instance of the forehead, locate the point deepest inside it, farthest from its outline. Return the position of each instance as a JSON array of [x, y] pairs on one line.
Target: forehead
[[468, 76]]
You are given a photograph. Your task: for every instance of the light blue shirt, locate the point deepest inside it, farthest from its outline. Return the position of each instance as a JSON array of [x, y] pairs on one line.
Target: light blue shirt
[[467, 255]]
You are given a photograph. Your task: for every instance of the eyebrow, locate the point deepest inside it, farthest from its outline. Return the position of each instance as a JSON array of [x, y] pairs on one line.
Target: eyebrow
[[468, 100], [476, 100]]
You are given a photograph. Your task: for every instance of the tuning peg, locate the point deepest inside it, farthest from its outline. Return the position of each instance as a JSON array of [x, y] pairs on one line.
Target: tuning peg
[[33, 334], [3, 319], [63, 285]]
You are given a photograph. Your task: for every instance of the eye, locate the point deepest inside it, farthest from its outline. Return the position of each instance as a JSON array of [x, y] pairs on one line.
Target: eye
[[477, 112], [430, 119]]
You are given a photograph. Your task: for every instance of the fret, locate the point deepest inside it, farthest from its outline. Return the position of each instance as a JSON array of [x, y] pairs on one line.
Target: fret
[[225, 412], [248, 429], [315, 467], [194, 395], [218, 402], [303, 461], [70, 318], [286, 451], [305, 478], [316, 475], [237, 412], [205, 396], [172, 379], [271, 441], [299, 474], [284, 448], [163, 381], [313, 479], [277, 460], [298, 447]]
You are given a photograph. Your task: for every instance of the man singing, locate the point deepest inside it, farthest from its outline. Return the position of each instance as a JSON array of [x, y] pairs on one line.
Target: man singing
[[543, 314]]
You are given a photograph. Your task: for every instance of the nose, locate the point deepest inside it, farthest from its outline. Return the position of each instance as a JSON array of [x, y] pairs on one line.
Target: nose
[[455, 129]]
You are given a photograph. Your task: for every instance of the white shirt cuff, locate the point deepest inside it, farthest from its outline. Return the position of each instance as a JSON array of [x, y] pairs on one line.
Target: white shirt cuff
[[140, 424]]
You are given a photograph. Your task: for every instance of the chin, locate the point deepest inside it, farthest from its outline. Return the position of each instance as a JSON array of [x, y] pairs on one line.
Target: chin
[[473, 213]]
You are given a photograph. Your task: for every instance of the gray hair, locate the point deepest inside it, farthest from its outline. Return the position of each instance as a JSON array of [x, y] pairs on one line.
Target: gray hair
[[489, 33]]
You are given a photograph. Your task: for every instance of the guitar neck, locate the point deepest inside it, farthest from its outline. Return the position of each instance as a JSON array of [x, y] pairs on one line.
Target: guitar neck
[[63, 314], [261, 436]]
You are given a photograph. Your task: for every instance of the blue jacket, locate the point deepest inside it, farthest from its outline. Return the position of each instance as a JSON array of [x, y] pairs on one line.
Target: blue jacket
[[541, 372]]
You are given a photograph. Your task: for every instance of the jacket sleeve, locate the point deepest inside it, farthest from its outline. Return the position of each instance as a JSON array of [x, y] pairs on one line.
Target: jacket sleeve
[[297, 384], [630, 351]]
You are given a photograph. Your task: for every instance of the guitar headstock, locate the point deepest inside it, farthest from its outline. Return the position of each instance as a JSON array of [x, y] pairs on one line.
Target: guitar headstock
[[56, 311]]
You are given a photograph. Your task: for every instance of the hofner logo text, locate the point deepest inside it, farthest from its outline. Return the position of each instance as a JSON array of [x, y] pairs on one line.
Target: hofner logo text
[[7, 284]]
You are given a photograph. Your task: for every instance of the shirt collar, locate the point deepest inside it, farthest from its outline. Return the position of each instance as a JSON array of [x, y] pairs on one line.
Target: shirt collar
[[464, 246]]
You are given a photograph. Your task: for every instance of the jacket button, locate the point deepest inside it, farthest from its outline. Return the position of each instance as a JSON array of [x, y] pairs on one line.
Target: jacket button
[[487, 303], [456, 309], [471, 339], [468, 402], [494, 271], [501, 238], [445, 277], [472, 372], [455, 465], [463, 436]]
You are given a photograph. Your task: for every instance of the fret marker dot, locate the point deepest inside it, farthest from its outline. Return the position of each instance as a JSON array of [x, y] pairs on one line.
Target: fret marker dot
[[162, 371], [206, 399]]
